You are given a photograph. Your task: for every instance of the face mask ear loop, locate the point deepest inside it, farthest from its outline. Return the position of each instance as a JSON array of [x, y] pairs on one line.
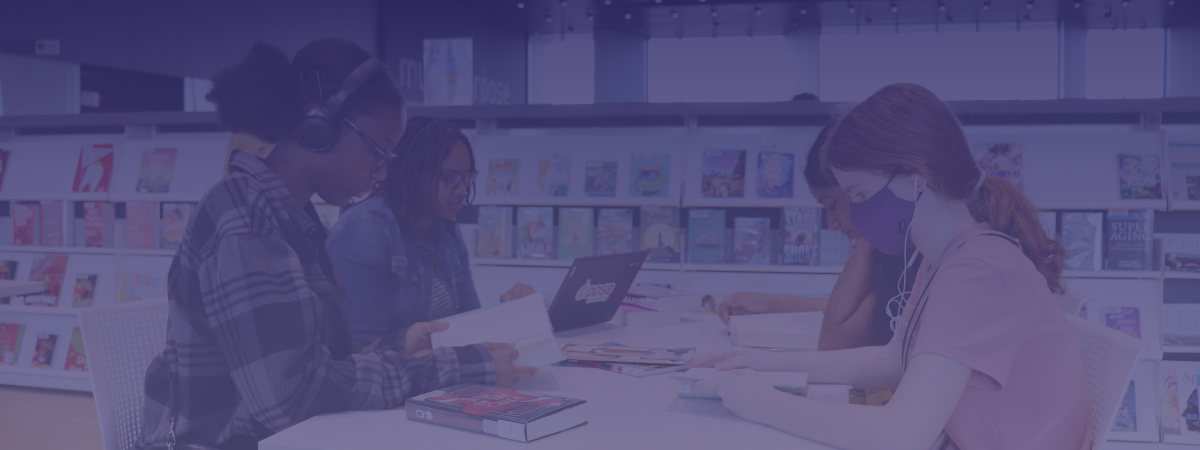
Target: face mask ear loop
[[901, 299]]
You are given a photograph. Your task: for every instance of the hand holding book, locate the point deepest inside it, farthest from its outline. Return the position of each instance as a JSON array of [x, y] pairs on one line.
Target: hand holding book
[[416, 340], [503, 356]]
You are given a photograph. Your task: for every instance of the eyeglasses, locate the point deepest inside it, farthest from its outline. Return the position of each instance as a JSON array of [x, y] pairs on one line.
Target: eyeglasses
[[384, 158], [454, 178]]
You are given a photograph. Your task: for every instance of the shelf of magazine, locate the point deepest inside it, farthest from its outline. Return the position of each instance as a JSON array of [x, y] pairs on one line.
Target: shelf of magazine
[[88, 250], [46, 378]]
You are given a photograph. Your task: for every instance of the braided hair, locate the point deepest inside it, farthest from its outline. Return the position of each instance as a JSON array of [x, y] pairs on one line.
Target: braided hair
[[416, 170]]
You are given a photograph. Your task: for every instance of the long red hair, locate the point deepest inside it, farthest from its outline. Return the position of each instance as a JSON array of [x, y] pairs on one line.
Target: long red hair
[[905, 126]]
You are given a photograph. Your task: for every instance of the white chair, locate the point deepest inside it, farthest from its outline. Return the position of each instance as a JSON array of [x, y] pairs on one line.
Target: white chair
[[1108, 358], [120, 341]]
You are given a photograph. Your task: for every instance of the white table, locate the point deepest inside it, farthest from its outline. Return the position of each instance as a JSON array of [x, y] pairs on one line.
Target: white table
[[624, 412]]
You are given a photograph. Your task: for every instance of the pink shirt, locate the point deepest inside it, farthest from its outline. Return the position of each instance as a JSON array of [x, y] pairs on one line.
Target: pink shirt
[[989, 309]]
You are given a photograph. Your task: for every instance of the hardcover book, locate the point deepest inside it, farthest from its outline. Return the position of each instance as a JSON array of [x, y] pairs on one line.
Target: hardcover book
[[502, 178], [495, 232], [575, 230], [600, 179], [95, 224], [615, 231], [85, 290], [554, 175], [626, 354], [507, 413], [10, 342], [1004, 160], [1125, 319], [137, 286], [43, 351], [706, 236], [1141, 176], [139, 224], [723, 173], [1130, 239], [535, 232], [49, 269], [660, 233], [776, 174], [1082, 236], [94, 170], [655, 298], [158, 165], [801, 244], [52, 223], [752, 241], [649, 175], [25, 217], [76, 356], [174, 223]]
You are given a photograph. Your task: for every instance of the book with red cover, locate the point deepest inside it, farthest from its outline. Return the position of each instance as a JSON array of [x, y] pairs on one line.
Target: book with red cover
[[43, 351], [507, 413], [49, 269], [94, 171], [139, 224], [10, 342], [95, 231], [85, 290], [76, 358], [52, 222], [25, 222]]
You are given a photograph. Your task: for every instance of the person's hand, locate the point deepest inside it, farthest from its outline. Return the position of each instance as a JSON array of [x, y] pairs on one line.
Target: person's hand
[[416, 340], [730, 358], [507, 373], [519, 290], [745, 303], [745, 392]]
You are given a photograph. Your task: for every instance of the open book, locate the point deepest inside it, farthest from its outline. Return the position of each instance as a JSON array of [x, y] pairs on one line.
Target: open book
[[781, 330], [523, 322]]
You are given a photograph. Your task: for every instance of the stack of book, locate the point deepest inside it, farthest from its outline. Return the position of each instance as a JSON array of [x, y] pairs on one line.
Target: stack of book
[[635, 361], [649, 305]]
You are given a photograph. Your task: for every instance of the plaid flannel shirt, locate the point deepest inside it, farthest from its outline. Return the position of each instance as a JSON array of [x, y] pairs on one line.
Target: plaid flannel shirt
[[257, 338]]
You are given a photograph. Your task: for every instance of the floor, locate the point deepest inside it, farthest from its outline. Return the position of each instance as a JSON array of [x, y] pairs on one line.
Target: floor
[[47, 419]]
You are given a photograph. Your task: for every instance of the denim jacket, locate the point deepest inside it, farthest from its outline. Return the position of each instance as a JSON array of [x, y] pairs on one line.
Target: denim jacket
[[387, 271]]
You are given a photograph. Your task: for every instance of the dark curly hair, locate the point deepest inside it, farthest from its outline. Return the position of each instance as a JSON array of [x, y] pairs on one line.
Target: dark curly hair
[[414, 173]]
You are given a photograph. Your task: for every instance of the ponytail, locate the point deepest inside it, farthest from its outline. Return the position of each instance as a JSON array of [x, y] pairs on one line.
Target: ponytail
[[1008, 211]]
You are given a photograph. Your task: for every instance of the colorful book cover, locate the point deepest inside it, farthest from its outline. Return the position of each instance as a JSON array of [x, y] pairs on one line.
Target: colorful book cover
[[495, 232], [1168, 403], [1130, 239], [8, 271], [1125, 319], [1082, 235], [502, 412], [4, 154], [649, 175], [776, 174], [76, 356], [1141, 176], [554, 175], [535, 232], [448, 75], [1049, 222], [723, 173], [575, 232], [137, 286], [174, 223], [615, 231], [1181, 424], [85, 290], [1126, 419], [752, 241], [1004, 160], [52, 222], [25, 223], [158, 164], [43, 350], [94, 171], [95, 224], [49, 269], [801, 244], [502, 178], [139, 224], [706, 236], [600, 179], [660, 233], [10, 342]]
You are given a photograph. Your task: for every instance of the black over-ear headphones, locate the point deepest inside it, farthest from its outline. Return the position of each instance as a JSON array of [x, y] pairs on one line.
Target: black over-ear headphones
[[320, 128]]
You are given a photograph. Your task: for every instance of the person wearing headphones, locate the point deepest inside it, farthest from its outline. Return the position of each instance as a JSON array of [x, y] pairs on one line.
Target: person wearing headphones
[[257, 336], [983, 356], [399, 252]]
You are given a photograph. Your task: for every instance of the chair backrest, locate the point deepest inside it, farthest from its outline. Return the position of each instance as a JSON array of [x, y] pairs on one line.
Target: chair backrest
[[120, 342], [1108, 359]]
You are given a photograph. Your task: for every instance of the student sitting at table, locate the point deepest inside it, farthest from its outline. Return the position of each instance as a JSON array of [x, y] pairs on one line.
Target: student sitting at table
[[257, 336], [856, 312], [399, 252], [982, 350]]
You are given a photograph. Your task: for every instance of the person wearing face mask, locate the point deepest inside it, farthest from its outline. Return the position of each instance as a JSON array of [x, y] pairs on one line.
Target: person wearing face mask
[[257, 336], [983, 356], [856, 312], [399, 252]]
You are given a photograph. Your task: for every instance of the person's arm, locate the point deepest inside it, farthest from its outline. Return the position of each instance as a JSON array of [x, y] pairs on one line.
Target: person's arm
[[361, 252], [267, 324], [912, 419], [847, 322], [875, 368]]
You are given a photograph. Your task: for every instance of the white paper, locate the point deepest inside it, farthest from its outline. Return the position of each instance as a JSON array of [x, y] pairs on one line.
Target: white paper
[[523, 322]]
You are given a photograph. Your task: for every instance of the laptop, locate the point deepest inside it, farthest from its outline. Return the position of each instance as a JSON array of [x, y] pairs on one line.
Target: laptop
[[593, 289]]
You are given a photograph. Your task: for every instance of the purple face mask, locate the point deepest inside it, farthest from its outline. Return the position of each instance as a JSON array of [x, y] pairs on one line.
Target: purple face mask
[[883, 220]]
